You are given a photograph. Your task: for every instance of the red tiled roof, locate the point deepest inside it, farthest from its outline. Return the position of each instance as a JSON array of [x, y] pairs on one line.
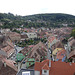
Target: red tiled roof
[[41, 45], [9, 48], [31, 46], [45, 67], [51, 38], [57, 68], [61, 54]]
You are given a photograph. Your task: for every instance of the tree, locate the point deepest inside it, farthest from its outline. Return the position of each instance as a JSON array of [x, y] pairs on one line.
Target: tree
[[73, 33], [16, 31]]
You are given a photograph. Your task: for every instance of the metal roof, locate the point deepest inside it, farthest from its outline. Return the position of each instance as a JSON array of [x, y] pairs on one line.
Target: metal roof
[[25, 70]]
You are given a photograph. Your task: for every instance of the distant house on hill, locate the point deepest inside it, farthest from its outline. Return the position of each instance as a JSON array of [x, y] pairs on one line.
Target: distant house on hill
[[24, 37], [14, 36], [31, 35]]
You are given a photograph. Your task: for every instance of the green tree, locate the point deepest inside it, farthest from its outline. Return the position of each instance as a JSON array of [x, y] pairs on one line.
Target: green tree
[[73, 33]]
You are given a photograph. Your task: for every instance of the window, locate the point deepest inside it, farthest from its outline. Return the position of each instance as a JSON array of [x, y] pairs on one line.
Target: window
[[29, 63], [26, 73], [45, 71]]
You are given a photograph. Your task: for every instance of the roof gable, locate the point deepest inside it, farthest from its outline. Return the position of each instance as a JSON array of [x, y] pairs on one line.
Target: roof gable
[[45, 67], [57, 68]]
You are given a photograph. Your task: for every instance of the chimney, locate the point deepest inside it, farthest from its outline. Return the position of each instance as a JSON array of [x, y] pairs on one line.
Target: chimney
[[4, 64], [49, 63]]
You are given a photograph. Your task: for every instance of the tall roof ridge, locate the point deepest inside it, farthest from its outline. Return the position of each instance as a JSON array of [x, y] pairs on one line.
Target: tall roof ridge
[[10, 44], [10, 63], [45, 66]]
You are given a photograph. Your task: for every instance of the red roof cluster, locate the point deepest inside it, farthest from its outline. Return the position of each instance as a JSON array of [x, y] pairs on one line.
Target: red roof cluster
[[51, 38], [57, 68], [61, 54]]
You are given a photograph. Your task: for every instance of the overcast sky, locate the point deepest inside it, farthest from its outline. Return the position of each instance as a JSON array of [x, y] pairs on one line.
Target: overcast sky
[[29, 7]]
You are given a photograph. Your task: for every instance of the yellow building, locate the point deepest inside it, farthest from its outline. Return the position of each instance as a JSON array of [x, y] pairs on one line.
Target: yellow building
[[56, 50]]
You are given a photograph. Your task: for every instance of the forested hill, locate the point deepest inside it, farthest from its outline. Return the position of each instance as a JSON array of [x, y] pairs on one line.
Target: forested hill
[[38, 20]]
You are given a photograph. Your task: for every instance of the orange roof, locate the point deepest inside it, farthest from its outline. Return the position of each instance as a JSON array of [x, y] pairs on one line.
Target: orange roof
[[45, 67], [61, 54], [51, 38], [57, 68]]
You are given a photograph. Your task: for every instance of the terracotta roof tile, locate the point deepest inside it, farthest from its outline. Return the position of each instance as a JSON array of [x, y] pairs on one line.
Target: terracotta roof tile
[[45, 67], [57, 68], [9, 48], [51, 38], [61, 54]]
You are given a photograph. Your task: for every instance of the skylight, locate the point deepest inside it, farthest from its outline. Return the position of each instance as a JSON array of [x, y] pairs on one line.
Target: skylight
[[26, 73]]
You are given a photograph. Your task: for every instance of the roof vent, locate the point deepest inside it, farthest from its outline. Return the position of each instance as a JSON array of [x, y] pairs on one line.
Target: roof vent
[[70, 63]]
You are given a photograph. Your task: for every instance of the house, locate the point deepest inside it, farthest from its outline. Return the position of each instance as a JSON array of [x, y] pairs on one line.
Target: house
[[71, 49], [24, 37], [25, 51], [2, 39], [7, 67], [39, 52], [31, 35], [5, 31], [58, 54], [41, 34], [36, 53], [58, 44], [30, 62], [9, 49], [71, 44], [19, 57], [51, 40], [26, 72], [26, 62], [61, 55], [14, 36], [3, 54], [56, 68]]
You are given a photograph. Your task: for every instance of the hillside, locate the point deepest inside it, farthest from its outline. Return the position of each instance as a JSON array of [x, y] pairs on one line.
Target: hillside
[[38, 20]]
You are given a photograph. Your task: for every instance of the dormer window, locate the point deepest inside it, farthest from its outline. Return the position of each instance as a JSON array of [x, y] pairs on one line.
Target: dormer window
[[45, 71]]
